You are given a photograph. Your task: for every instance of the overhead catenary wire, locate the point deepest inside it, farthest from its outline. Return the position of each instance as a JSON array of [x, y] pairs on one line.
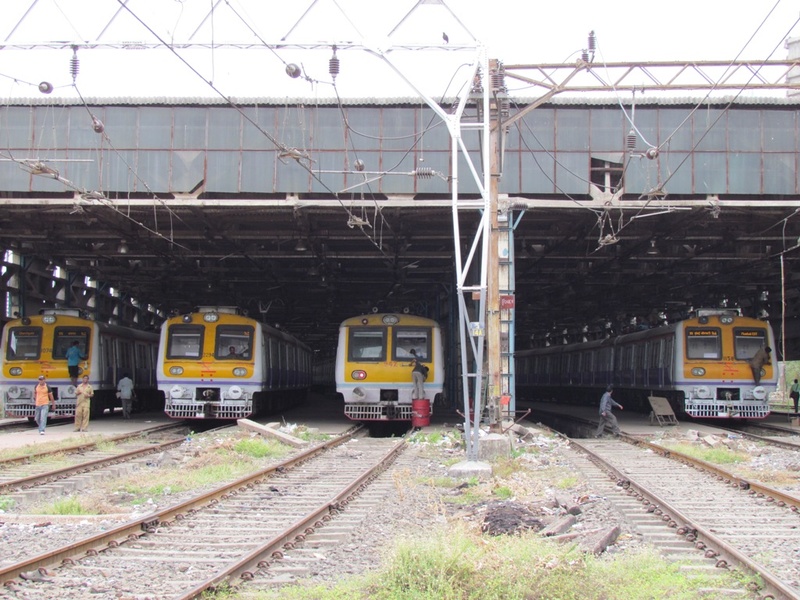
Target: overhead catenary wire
[[290, 152]]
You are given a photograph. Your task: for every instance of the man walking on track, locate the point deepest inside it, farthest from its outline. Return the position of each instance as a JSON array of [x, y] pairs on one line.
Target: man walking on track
[[606, 416]]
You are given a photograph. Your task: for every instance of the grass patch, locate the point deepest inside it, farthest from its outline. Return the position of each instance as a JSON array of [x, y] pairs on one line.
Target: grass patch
[[66, 506], [506, 466], [440, 482], [6, 503], [567, 483], [29, 450], [260, 448], [503, 492], [433, 437], [721, 455], [227, 460], [139, 488], [459, 565]]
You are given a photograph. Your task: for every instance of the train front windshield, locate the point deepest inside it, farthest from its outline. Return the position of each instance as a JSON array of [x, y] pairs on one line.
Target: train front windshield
[[703, 343], [234, 341], [65, 336], [185, 341], [748, 341], [367, 344], [24, 343], [412, 341]]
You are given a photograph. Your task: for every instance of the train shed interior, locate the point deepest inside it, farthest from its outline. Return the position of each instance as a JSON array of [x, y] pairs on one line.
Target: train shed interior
[[305, 211]]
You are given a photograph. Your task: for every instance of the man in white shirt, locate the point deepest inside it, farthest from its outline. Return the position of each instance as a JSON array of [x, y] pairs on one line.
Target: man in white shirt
[[125, 393]]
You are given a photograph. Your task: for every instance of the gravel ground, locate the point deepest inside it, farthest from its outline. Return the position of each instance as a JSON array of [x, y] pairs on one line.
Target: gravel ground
[[542, 475]]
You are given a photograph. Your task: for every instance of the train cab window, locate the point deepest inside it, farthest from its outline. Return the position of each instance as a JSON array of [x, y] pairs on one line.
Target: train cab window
[[703, 343], [367, 344], [747, 341], [24, 343], [185, 341], [64, 337], [234, 341], [411, 341]]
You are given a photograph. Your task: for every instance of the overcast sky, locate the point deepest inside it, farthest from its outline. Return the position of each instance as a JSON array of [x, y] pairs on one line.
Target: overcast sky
[[513, 31]]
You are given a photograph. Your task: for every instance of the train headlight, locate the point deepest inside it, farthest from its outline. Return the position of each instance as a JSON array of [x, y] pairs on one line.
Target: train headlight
[[235, 392], [176, 370], [726, 320], [359, 394], [49, 319], [211, 317], [359, 375], [698, 371], [15, 371], [759, 392], [14, 392], [71, 391], [177, 391], [702, 391], [240, 372]]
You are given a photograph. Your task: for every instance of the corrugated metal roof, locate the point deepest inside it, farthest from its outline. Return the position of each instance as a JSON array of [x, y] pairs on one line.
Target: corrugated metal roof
[[647, 100]]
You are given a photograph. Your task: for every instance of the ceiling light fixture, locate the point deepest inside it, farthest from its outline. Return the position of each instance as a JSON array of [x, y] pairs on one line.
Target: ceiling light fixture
[[653, 250], [300, 246], [122, 248]]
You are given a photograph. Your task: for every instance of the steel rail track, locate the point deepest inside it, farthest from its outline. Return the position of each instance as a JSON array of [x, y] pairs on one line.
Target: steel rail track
[[138, 529], [297, 531], [688, 525], [37, 479], [755, 488], [84, 446]]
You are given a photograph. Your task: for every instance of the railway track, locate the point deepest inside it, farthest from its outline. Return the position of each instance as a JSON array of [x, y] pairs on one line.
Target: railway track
[[220, 536], [21, 474], [726, 519]]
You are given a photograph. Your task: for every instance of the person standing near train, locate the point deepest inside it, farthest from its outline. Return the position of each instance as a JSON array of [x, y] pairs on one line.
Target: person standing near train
[[125, 392], [418, 375], [44, 400], [74, 357], [83, 399], [606, 416], [794, 394], [760, 358]]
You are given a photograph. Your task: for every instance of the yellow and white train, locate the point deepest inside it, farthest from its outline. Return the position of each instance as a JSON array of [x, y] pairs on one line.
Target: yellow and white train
[[701, 365], [37, 345], [373, 364], [217, 363]]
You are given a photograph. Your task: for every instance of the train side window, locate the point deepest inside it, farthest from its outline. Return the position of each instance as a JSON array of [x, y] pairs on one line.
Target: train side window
[[185, 341], [63, 338], [747, 341], [367, 344], [408, 339], [703, 343], [24, 343]]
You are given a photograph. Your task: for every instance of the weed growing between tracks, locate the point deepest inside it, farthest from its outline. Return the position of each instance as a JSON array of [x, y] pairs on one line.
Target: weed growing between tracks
[[459, 564], [202, 465], [428, 542]]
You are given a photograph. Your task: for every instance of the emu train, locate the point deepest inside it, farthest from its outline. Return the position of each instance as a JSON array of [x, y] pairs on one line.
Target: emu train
[[701, 365], [217, 363], [37, 345], [373, 364]]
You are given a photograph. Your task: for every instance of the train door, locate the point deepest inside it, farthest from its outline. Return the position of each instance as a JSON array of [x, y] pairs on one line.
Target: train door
[[655, 378], [283, 367], [107, 375], [667, 361]]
